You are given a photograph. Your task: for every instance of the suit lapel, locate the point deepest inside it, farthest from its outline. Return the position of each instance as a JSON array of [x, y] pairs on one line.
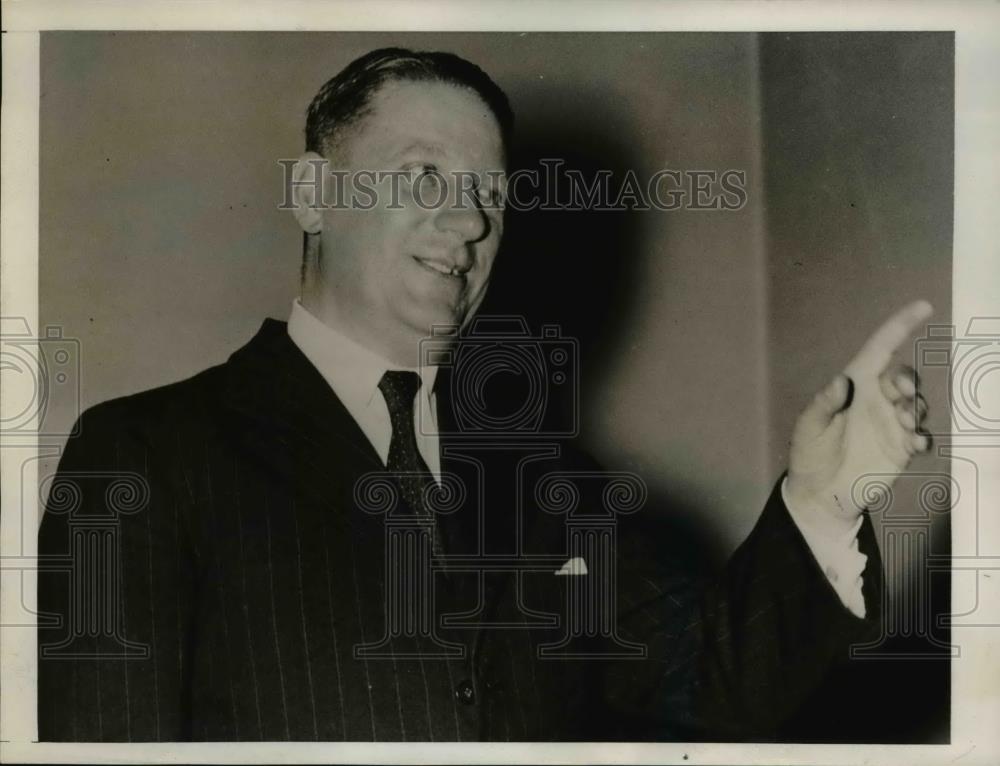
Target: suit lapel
[[285, 413]]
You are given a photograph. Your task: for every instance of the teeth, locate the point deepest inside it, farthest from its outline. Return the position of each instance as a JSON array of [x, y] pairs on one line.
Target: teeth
[[441, 268]]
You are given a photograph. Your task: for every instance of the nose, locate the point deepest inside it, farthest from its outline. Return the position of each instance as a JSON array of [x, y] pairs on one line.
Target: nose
[[463, 218]]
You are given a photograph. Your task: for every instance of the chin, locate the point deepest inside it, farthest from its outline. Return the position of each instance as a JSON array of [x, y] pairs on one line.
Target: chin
[[427, 317]]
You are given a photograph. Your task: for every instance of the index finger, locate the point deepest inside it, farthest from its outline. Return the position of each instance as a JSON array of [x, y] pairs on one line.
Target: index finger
[[874, 356]]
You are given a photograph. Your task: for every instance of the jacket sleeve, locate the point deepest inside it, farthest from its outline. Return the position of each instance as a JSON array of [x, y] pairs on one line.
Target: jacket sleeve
[[115, 590], [735, 658]]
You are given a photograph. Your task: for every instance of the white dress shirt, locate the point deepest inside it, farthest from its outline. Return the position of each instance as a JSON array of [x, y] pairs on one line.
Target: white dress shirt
[[836, 552], [354, 372]]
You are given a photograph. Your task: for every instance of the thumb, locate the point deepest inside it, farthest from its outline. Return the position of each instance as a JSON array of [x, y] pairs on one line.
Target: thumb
[[825, 405]]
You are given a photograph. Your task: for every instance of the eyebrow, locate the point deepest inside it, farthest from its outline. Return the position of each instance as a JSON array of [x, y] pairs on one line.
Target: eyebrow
[[420, 147], [433, 149]]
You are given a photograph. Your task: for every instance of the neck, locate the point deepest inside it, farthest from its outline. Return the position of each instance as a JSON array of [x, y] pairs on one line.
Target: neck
[[404, 352]]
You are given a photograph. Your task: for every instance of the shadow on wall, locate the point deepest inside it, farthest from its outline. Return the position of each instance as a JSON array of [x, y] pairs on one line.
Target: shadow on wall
[[577, 269], [573, 268]]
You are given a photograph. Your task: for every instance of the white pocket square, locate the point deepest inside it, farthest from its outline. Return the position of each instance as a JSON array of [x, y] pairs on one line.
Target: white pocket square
[[575, 566]]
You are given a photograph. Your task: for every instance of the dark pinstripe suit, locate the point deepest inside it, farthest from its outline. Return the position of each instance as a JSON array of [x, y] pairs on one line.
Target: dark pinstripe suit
[[251, 576]]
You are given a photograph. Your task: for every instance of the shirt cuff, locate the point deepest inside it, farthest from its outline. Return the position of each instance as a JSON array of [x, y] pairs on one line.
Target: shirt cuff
[[836, 553]]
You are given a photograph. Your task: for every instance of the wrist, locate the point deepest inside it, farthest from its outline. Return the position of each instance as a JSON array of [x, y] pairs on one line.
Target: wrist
[[821, 511]]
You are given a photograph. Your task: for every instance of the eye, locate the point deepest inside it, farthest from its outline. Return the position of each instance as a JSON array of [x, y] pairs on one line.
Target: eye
[[427, 185], [490, 198], [421, 173], [490, 192]]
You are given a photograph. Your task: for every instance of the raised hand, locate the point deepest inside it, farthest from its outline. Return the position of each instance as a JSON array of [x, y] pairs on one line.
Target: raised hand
[[867, 420]]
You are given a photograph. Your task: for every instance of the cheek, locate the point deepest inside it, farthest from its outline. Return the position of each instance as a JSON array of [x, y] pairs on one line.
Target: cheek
[[371, 241]]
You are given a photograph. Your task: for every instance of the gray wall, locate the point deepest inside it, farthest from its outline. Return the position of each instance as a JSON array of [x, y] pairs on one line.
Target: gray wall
[[858, 144], [703, 332]]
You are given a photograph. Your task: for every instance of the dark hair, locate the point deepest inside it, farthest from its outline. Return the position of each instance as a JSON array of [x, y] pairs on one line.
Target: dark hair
[[346, 98]]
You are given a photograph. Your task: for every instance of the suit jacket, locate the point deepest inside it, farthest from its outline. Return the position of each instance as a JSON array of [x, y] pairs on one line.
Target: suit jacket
[[216, 573]]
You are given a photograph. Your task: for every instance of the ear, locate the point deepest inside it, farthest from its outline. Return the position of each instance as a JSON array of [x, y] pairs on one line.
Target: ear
[[307, 191]]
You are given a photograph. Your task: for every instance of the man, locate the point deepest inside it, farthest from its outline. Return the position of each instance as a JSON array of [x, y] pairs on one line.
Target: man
[[250, 587]]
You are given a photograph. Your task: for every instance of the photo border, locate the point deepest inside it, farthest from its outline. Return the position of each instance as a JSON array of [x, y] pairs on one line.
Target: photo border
[[976, 292]]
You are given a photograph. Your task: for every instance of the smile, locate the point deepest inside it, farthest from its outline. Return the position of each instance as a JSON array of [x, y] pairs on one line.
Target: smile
[[440, 268]]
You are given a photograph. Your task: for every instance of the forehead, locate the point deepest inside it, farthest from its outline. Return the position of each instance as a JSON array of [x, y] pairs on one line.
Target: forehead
[[429, 118]]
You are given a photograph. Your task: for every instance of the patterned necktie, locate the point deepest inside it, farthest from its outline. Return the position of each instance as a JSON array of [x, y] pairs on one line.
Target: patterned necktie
[[399, 388]]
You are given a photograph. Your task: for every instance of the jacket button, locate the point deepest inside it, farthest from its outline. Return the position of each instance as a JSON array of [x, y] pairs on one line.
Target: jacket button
[[465, 693]]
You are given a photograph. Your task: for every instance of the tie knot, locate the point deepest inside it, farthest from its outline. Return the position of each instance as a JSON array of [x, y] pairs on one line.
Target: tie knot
[[399, 387]]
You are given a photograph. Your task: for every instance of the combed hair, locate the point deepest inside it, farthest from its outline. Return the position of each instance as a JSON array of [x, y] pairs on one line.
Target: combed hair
[[346, 98]]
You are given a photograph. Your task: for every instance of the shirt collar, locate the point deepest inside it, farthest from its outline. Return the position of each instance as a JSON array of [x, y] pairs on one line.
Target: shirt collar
[[351, 370]]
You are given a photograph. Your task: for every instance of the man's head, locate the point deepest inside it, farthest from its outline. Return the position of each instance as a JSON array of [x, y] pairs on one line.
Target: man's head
[[406, 249]]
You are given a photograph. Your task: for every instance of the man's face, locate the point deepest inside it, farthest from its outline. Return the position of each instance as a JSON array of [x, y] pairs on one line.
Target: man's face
[[422, 255]]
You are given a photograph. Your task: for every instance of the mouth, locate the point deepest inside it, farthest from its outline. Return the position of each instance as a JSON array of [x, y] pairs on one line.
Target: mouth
[[440, 268]]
